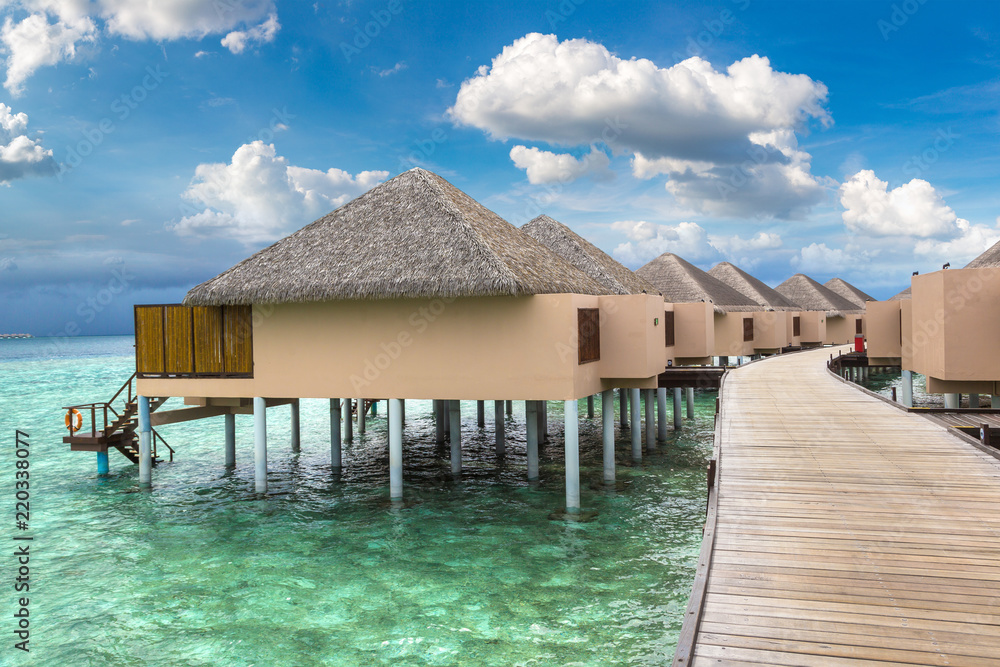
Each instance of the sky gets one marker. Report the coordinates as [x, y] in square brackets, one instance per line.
[146, 147]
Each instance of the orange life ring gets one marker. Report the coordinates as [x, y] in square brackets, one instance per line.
[74, 420]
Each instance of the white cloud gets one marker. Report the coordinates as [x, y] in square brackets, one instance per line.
[395, 69]
[259, 197]
[746, 253]
[264, 33]
[913, 209]
[53, 29]
[971, 242]
[20, 155]
[649, 240]
[689, 121]
[820, 259]
[34, 42]
[547, 167]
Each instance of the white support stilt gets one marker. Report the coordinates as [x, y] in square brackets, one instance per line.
[260, 444]
[345, 411]
[510, 408]
[446, 411]
[531, 433]
[661, 414]
[623, 407]
[907, 386]
[690, 402]
[480, 414]
[636, 425]
[455, 410]
[571, 446]
[335, 454]
[648, 399]
[974, 401]
[361, 416]
[952, 401]
[499, 426]
[230, 440]
[145, 443]
[543, 422]
[439, 420]
[395, 410]
[402, 411]
[296, 445]
[590, 407]
[608, 423]
[678, 423]
[995, 401]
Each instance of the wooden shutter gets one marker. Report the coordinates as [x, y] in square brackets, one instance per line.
[238, 337]
[208, 340]
[589, 333]
[747, 329]
[149, 340]
[796, 326]
[178, 340]
[668, 328]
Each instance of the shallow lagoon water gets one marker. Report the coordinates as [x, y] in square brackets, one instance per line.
[325, 570]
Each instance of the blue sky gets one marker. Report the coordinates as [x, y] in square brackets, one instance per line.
[145, 147]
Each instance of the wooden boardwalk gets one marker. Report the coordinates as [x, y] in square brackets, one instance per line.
[847, 531]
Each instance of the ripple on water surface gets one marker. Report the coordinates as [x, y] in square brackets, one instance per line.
[326, 571]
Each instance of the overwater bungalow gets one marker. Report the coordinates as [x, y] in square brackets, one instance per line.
[775, 325]
[845, 289]
[826, 318]
[411, 291]
[710, 317]
[943, 329]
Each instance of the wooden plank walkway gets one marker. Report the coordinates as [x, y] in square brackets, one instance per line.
[848, 532]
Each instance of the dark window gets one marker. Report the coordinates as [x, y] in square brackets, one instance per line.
[857, 326]
[589, 328]
[747, 329]
[668, 328]
[796, 326]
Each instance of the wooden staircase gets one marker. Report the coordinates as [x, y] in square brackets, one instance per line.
[110, 427]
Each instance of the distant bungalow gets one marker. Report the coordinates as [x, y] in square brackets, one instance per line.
[827, 317]
[777, 325]
[412, 291]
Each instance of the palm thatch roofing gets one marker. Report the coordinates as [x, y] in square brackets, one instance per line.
[808, 294]
[848, 291]
[902, 296]
[750, 287]
[585, 256]
[414, 236]
[682, 282]
[988, 260]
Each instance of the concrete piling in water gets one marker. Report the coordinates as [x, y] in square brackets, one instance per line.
[636, 425]
[439, 421]
[361, 416]
[571, 446]
[510, 408]
[345, 408]
[455, 411]
[907, 387]
[395, 410]
[294, 418]
[231, 439]
[678, 423]
[335, 449]
[623, 407]
[145, 443]
[103, 466]
[260, 444]
[500, 427]
[531, 433]
[608, 433]
[480, 414]
[648, 396]
[974, 401]
[690, 402]
[995, 401]
[952, 401]
[661, 414]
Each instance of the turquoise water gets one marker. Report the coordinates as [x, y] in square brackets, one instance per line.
[883, 383]
[324, 570]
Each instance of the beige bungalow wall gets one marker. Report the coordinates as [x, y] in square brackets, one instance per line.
[841, 330]
[884, 335]
[771, 330]
[694, 333]
[729, 335]
[955, 318]
[475, 348]
[812, 327]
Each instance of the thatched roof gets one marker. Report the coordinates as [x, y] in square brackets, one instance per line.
[750, 287]
[902, 296]
[585, 256]
[808, 294]
[681, 282]
[988, 260]
[414, 236]
[848, 291]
